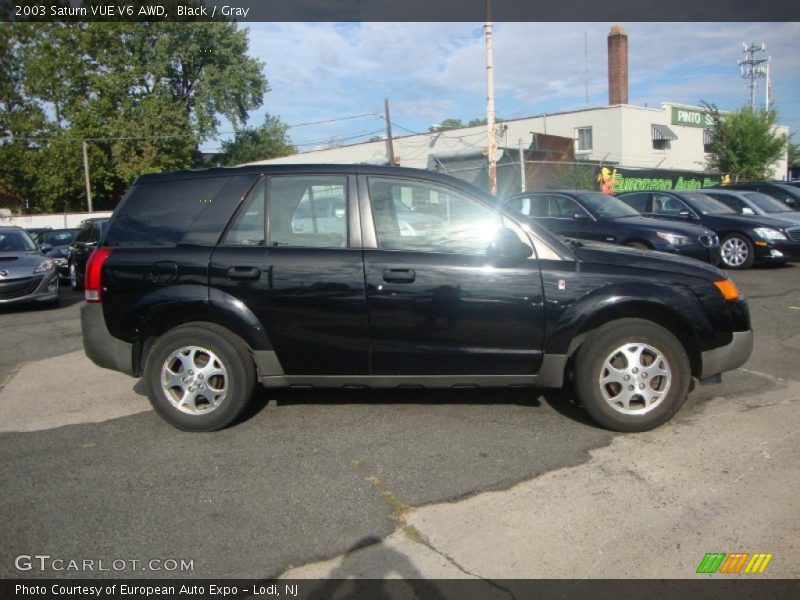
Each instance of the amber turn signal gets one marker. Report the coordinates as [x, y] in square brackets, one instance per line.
[728, 289]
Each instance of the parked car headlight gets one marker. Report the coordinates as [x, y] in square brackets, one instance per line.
[674, 238]
[45, 265]
[769, 234]
[60, 262]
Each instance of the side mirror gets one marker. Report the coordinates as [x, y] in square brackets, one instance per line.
[748, 211]
[46, 247]
[508, 247]
[685, 214]
[580, 216]
[791, 202]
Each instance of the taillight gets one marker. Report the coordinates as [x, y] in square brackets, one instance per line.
[94, 270]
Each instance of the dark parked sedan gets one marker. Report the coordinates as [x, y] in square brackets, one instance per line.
[596, 216]
[746, 202]
[785, 192]
[745, 240]
[55, 245]
[85, 242]
[25, 274]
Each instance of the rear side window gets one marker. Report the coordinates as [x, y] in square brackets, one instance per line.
[167, 213]
[307, 211]
[637, 202]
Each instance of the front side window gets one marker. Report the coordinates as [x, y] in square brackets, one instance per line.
[307, 211]
[638, 202]
[425, 217]
[561, 207]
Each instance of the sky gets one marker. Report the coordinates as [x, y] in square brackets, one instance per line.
[433, 71]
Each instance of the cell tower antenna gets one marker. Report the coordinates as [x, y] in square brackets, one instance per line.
[753, 68]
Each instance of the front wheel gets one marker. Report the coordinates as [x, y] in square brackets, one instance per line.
[199, 377]
[632, 375]
[736, 252]
[73, 278]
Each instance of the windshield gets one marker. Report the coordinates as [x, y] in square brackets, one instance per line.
[766, 203]
[15, 241]
[61, 237]
[607, 207]
[707, 205]
[790, 190]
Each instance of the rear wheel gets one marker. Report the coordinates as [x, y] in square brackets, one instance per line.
[632, 375]
[736, 252]
[199, 377]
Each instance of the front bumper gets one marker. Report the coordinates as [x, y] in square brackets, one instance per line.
[102, 348]
[39, 288]
[728, 357]
[777, 251]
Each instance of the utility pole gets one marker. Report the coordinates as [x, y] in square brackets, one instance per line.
[586, 65]
[753, 68]
[491, 149]
[86, 175]
[521, 167]
[389, 141]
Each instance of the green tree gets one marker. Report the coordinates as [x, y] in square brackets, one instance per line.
[269, 140]
[794, 156]
[144, 95]
[445, 125]
[745, 144]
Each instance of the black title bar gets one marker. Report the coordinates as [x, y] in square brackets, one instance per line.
[400, 10]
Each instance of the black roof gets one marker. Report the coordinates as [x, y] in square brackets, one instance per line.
[318, 169]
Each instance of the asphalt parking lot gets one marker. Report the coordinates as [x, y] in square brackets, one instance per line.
[91, 472]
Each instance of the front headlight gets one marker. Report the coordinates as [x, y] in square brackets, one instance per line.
[60, 262]
[769, 234]
[45, 265]
[674, 238]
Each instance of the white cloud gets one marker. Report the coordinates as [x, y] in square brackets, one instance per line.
[431, 71]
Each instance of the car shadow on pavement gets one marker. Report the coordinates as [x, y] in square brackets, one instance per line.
[562, 401]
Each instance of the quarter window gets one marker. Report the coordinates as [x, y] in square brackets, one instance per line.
[426, 217]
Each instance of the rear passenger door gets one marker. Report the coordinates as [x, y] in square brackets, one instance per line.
[289, 256]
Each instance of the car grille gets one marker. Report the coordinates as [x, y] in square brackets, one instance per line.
[17, 288]
[709, 241]
[794, 234]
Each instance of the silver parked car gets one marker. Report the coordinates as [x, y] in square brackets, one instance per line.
[26, 275]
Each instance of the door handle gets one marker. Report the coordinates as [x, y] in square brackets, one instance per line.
[399, 275]
[244, 273]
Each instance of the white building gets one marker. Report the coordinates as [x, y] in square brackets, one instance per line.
[673, 136]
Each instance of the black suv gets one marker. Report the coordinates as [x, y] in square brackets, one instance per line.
[745, 239]
[595, 216]
[83, 245]
[207, 282]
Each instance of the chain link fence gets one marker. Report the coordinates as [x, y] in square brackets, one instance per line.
[539, 175]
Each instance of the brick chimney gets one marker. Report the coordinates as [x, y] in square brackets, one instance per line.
[617, 66]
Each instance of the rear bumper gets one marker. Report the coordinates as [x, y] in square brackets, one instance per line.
[728, 357]
[102, 348]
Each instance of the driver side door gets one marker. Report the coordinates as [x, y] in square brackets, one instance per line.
[438, 304]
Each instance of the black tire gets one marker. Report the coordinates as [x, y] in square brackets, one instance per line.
[216, 346]
[740, 249]
[74, 278]
[639, 245]
[654, 344]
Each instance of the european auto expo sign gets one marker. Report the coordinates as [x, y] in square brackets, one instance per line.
[690, 117]
[634, 180]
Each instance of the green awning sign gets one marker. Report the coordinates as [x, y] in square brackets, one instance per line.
[691, 117]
